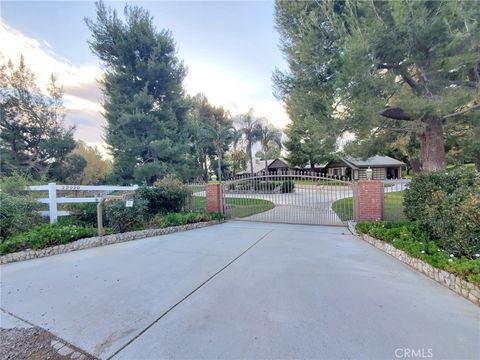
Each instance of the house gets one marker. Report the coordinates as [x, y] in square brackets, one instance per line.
[277, 165]
[383, 167]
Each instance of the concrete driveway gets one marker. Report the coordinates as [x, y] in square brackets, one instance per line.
[242, 290]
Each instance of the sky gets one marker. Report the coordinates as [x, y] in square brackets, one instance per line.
[230, 49]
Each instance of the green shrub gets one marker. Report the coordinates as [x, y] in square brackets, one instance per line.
[447, 206]
[418, 195]
[122, 219]
[17, 213]
[82, 215]
[182, 218]
[416, 242]
[454, 221]
[287, 186]
[265, 185]
[168, 194]
[44, 236]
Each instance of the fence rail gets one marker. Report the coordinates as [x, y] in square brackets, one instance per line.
[53, 213]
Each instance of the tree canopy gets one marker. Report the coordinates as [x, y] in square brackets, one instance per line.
[379, 67]
[33, 138]
[145, 106]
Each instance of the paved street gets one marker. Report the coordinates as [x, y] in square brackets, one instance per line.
[242, 290]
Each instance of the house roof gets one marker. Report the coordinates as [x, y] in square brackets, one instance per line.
[259, 165]
[374, 161]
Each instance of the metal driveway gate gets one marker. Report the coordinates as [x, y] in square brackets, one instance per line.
[292, 197]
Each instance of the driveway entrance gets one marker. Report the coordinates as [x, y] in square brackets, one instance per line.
[292, 198]
[241, 290]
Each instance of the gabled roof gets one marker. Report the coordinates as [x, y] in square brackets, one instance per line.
[259, 165]
[374, 161]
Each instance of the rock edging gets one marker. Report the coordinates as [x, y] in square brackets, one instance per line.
[87, 243]
[462, 287]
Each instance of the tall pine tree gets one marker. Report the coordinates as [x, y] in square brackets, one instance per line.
[145, 108]
[400, 66]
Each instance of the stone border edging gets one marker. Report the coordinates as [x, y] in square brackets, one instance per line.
[462, 287]
[87, 243]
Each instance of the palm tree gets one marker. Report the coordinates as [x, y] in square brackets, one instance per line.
[219, 137]
[266, 135]
[250, 130]
[237, 137]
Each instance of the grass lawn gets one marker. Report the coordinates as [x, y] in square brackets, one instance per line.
[238, 207]
[344, 208]
[392, 207]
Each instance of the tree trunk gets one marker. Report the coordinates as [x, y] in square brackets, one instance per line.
[205, 169]
[220, 165]
[432, 144]
[266, 162]
[416, 165]
[251, 159]
[477, 164]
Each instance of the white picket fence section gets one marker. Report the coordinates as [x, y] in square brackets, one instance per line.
[53, 200]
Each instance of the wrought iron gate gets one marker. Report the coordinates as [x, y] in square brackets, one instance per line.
[292, 197]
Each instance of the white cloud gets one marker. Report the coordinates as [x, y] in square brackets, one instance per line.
[227, 88]
[222, 85]
[82, 94]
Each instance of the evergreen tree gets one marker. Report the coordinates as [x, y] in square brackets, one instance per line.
[400, 66]
[145, 108]
[33, 138]
[202, 116]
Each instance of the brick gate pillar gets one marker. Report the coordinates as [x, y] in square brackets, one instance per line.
[214, 198]
[369, 200]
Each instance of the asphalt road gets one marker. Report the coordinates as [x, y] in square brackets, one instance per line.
[242, 290]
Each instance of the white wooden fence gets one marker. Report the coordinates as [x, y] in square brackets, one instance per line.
[53, 200]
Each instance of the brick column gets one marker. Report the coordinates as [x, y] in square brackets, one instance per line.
[214, 198]
[369, 200]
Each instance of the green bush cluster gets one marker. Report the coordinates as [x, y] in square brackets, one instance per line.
[45, 235]
[18, 210]
[17, 214]
[182, 218]
[415, 241]
[447, 205]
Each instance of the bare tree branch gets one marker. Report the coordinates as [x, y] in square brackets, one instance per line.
[458, 113]
[409, 80]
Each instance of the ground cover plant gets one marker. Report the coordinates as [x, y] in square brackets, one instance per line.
[417, 242]
[44, 236]
[159, 206]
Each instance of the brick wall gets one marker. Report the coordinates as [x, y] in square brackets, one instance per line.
[369, 204]
[214, 198]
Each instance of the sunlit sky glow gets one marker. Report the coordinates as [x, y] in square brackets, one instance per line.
[230, 49]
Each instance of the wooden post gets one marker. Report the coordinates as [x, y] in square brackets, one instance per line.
[52, 202]
[100, 217]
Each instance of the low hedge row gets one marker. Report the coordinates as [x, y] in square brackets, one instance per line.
[416, 242]
[44, 236]
[284, 186]
[50, 235]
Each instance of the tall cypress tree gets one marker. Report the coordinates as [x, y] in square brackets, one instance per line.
[144, 103]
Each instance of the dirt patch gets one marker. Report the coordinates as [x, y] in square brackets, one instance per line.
[36, 344]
